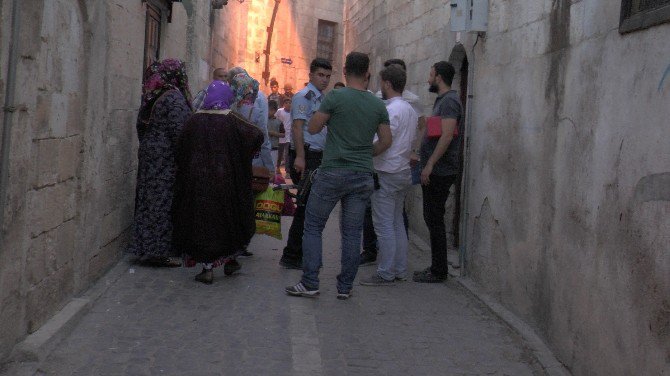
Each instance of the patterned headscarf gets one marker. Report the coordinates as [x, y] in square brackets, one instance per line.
[245, 89]
[170, 74]
[219, 96]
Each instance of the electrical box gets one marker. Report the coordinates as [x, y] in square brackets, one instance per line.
[469, 15]
[459, 15]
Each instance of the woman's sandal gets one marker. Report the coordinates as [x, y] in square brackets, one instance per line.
[206, 276]
[171, 262]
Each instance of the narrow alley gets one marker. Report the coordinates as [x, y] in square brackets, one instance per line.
[153, 321]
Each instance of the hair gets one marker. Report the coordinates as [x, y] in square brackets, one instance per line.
[445, 70]
[273, 105]
[214, 72]
[287, 99]
[320, 63]
[356, 64]
[400, 62]
[396, 76]
[339, 84]
[273, 82]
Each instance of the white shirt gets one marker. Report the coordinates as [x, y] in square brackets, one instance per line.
[285, 118]
[403, 119]
[410, 98]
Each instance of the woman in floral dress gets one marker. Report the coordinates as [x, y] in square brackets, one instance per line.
[162, 115]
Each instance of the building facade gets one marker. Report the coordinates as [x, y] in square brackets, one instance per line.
[70, 84]
[302, 30]
[565, 196]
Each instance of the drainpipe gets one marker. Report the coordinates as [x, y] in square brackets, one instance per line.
[465, 211]
[8, 112]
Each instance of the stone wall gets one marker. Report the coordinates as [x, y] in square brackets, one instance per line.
[567, 203]
[69, 180]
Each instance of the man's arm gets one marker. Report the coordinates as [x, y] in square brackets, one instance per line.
[448, 126]
[416, 143]
[384, 139]
[317, 122]
[299, 143]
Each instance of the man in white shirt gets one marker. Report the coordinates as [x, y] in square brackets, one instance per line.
[393, 169]
[370, 246]
[284, 115]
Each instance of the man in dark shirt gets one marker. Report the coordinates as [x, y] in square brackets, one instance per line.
[439, 157]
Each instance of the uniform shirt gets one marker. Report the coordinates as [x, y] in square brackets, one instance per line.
[403, 121]
[305, 103]
[285, 118]
[355, 116]
[447, 106]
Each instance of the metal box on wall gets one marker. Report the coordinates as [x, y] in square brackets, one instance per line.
[469, 15]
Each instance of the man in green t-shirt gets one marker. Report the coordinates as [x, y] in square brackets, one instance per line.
[354, 116]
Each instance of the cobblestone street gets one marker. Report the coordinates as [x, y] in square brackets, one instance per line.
[161, 322]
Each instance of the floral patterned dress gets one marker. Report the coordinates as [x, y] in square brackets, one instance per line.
[156, 175]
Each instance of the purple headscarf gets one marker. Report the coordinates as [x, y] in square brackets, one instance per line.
[219, 96]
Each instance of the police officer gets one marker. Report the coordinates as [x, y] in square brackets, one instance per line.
[307, 151]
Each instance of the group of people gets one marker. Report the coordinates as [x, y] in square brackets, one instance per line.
[194, 201]
[363, 147]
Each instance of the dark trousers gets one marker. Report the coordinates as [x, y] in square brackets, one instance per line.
[293, 250]
[435, 197]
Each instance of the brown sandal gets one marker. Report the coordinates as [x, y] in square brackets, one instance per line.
[206, 276]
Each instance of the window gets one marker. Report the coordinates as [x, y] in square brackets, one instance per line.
[641, 14]
[325, 43]
[152, 34]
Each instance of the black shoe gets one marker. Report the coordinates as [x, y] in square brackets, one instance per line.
[429, 277]
[422, 271]
[367, 258]
[246, 254]
[343, 295]
[206, 276]
[290, 264]
[231, 267]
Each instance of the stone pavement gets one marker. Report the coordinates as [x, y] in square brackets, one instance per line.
[160, 322]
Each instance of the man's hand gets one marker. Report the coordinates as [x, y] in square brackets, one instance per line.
[299, 165]
[413, 159]
[425, 173]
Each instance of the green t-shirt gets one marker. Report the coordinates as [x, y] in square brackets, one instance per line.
[355, 116]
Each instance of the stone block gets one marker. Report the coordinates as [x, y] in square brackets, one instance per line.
[42, 115]
[68, 157]
[58, 115]
[76, 117]
[45, 212]
[36, 260]
[64, 243]
[12, 324]
[105, 257]
[48, 297]
[577, 12]
[46, 171]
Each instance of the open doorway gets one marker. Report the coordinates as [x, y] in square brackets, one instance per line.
[458, 58]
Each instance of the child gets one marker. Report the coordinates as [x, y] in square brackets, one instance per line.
[275, 129]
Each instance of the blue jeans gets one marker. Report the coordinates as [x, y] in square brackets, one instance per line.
[387, 208]
[353, 190]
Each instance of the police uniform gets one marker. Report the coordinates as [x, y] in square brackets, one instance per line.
[305, 103]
